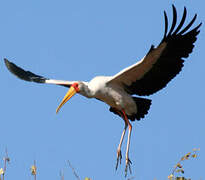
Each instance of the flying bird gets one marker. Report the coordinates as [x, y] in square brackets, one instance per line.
[149, 75]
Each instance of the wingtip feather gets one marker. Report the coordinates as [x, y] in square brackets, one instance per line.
[174, 21]
[165, 24]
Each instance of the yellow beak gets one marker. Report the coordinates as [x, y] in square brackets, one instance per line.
[71, 92]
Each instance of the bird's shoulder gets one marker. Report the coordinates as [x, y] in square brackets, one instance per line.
[98, 82]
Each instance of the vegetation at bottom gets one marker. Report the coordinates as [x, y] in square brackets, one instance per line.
[177, 172]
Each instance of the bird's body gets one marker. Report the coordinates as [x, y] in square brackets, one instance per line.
[149, 75]
[112, 94]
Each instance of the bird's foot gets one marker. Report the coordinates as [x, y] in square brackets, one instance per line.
[128, 165]
[119, 157]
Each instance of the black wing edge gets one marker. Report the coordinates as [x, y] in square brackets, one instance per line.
[179, 44]
[22, 74]
[170, 35]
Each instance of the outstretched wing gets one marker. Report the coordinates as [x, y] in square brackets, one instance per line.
[163, 63]
[29, 76]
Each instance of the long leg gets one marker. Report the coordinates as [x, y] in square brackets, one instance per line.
[119, 154]
[128, 162]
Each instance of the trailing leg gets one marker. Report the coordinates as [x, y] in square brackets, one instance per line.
[128, 162]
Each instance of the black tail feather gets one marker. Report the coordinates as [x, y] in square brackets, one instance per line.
[143, 106]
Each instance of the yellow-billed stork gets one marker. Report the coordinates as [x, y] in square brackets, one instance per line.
[144, 78]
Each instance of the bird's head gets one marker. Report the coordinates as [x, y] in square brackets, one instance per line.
[74, 88]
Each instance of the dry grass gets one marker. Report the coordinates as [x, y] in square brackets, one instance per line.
[176, 174]
[179, 169]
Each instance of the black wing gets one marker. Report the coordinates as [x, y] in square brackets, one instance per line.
[29, 76]
[163, 63]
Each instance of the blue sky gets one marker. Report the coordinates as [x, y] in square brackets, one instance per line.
[77, 40]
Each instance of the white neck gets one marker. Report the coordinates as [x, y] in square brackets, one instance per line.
[85, 90]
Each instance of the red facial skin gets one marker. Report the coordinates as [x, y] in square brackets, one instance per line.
[75, 86]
